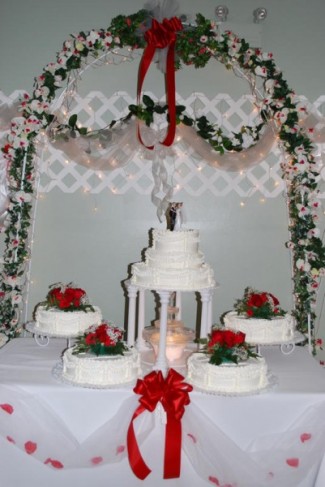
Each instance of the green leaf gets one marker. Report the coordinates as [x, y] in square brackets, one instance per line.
[187, 121]
[148, 102]
[73, 120]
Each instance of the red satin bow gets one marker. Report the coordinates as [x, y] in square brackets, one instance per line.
[173, 394]
[160, 36]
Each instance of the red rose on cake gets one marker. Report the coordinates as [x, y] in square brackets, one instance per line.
[105, 339]
[67, 297]
[227, 346]
[255, 304]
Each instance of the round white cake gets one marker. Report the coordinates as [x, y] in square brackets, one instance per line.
[262, 331]
[173, 262]
[229, 378]
[101, 371]
[65, 323]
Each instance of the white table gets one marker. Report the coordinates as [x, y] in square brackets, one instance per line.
[218, 432]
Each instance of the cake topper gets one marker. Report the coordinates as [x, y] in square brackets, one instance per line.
[175, 216]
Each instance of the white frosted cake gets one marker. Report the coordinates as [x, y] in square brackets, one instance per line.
[173, 262]
[228, 378]
[65, 323]
[101, 371]
[262, 331]
[66, 312]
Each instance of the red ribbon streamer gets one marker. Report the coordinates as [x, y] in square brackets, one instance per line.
[173, 394]
[160, 36]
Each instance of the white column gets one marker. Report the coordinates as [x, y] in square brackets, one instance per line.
[178, 304]
[210, 311]
[205, 300]
[132, 295]
[141, 320]
[161, 361]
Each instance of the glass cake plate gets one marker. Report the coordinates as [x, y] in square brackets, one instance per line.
[272, 382]
[57, 373]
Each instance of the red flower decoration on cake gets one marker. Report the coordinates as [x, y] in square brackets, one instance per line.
[104, 339]
[255, 304]
[67, 297]
[227, 346]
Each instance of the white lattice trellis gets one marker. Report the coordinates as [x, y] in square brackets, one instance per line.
[186, 170]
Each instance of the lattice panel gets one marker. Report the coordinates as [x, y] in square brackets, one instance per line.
[186, 171]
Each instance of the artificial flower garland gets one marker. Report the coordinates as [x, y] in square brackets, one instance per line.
[212, 133]
[195, 45]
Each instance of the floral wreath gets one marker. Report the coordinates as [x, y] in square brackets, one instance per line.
[194, 45]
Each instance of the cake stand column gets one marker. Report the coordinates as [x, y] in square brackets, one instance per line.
[206, 314]
[161, 361]
[178, 304]
[141, 320]
[132, 295]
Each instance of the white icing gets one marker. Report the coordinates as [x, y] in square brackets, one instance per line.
[262, 331]
[173, 262]
[229, 378]
[65, 323]
[103, 370]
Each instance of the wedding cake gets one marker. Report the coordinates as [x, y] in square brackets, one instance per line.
[101, 359]
[66, 312]
[173, 262]
[230, 378]
[260, 317]
[227, 366]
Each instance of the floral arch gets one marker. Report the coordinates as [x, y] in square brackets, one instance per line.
[194, 44]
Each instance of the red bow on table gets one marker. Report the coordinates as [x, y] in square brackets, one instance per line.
[161, 36]
[173, 394]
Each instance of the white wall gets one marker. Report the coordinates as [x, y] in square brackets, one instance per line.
[245, 246]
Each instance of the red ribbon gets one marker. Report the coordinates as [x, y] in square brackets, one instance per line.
[160, 36]
[173, 394]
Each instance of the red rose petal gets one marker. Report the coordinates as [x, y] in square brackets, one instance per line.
[96, 460]
[120, 449]
[7, 407]
[214, 480]
[30, 447]
[11, 439]
[305, 437]
[54, 463]
[293, 462]
[192, 437]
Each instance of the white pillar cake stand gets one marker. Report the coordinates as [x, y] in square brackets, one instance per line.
[137, 292]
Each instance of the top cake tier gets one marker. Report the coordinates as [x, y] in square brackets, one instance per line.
[173, 262]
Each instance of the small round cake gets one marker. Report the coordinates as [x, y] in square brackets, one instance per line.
[66, 312]
[258, 314]
[100, 371]
[262, 331]
[65, 323]
[228, 378]
[100, 358]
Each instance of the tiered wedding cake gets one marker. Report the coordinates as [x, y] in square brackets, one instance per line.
[173, 262]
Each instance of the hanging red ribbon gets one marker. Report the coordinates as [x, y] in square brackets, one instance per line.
[161, 36]
[173, 394]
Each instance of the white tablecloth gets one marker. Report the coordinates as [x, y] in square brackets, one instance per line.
[265, 425]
